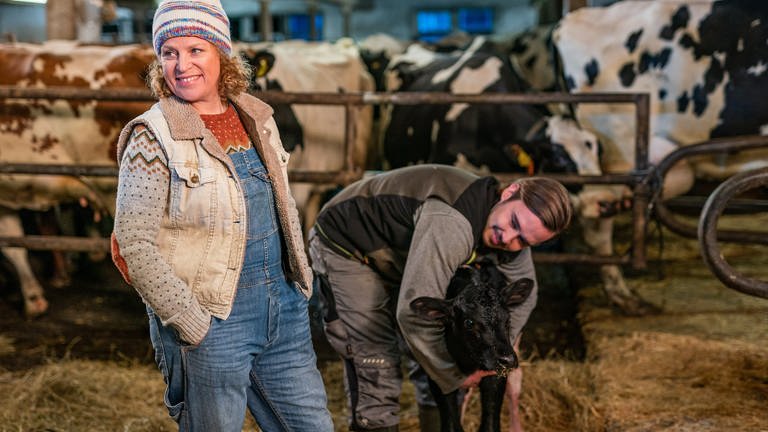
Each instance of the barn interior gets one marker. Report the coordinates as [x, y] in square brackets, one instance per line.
[698, 361]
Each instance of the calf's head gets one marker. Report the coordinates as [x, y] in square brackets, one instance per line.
[476, 317]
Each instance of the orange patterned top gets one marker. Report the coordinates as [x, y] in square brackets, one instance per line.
[228, 130]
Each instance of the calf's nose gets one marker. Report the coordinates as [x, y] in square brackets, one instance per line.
[508, 361]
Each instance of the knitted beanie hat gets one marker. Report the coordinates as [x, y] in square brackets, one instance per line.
[204, 19]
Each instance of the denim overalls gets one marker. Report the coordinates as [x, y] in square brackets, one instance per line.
[261, 355]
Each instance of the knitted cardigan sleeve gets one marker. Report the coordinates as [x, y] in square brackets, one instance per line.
[142, 203]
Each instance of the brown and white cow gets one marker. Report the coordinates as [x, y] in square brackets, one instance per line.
[704, 64]
[61, 132]
[85, 132]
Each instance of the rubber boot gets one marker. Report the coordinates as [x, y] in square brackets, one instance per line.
[429, 419]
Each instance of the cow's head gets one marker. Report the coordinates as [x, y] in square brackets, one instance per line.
[262, 61]
[476, 317]
[560, 145]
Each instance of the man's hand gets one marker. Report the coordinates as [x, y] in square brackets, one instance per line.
[474, 379]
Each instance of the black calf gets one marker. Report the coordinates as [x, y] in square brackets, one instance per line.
[476, 319]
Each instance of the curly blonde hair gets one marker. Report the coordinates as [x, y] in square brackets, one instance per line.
[235, 77]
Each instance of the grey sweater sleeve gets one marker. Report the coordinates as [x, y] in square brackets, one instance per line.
[142, 200]
[442, 241]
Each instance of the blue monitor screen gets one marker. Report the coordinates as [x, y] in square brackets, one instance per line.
[433, 22]
[298, 26]
[476, 20]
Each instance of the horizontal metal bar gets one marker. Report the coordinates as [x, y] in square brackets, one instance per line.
[337, 177]
[68, 243]
[300, 176]
[60, 169]
[564, 258]
[62, 243]
[355, 98]
[628, 179]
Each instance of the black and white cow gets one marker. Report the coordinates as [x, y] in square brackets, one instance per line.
[475, 315]
[704, 64]
[314, 134]
[495, 137]
[532, 56]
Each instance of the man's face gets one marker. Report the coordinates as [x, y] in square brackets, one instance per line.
[511, 226]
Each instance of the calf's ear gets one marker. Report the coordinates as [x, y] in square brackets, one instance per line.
[518, 291]
[430, 308]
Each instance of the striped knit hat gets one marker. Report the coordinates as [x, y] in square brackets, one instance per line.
[205, 19]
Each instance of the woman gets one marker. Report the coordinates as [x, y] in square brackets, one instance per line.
[207, 232]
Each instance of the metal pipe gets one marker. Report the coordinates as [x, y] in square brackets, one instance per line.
[356, 98]
[719, 145]
[62, 243]
[708, 235]
[351, 172]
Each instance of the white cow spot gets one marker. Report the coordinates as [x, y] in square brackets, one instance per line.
[755, 23]
[764, 129]
[445, 74]
[38, 64]
[757, 69]
[409, 131]
[435, 130]
[740, 45]
[474, 81]
[455, 111]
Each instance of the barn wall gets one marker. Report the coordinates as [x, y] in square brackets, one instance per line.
[394, 17]
[26, 22]
[398, 17]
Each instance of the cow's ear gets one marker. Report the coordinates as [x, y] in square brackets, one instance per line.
[430, 308]
[518, 291]
[262, 63]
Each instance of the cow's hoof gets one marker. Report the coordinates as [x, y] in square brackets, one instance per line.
[633, 305]
[35, 306]
[59, 282]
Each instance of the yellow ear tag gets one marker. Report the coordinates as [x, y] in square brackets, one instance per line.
[524, 159]
[263, 68]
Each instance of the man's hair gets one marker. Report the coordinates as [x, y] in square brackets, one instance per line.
[547, 199]
[235, 77]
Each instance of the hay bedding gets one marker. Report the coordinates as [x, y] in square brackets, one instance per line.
[657, 381]
[702, 365]
[76, 395]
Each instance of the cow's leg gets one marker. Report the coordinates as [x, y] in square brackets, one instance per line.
[448, 407]
[598, 233]
[491, 400]
[48, 225]
[35, 303]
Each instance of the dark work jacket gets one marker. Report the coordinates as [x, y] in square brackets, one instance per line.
[372, 220]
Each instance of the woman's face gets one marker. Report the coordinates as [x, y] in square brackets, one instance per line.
[191, 69]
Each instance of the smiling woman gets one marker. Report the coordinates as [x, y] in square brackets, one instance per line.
[208, 234]
[191, 70]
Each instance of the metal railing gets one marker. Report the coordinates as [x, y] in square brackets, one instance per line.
[636, 179]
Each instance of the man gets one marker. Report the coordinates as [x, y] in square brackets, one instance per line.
[386, 240]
